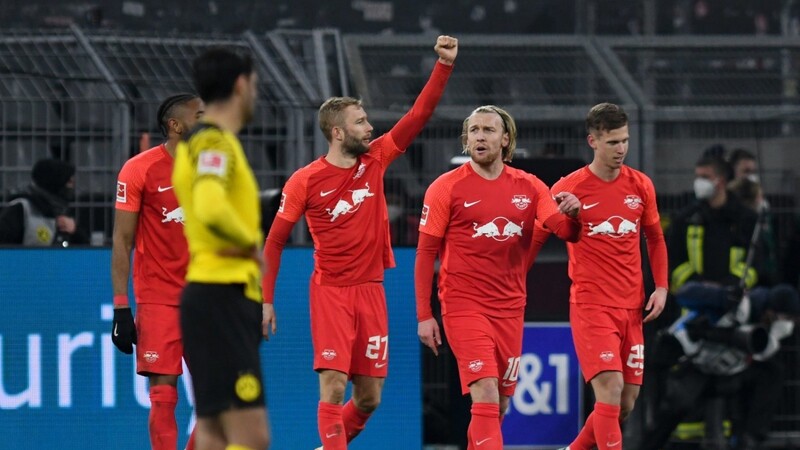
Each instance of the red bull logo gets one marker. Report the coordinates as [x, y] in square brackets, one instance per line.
[521, 201]
[360, 171]
[614, 226]
[328, 354]
[151, 356]
[176, 215]
[344, 207]
[606, 356]
[632, 201]
[493, 229]
[476, 365]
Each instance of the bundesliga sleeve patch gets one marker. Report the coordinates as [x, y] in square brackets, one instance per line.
[424, 218]
[212, 162]
[122, 192]
[283, 202]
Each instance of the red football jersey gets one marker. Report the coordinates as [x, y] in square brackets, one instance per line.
[346, 214]
[606, 264]
[487, 226]
[161, 254]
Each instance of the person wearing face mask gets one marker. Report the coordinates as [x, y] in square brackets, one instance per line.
[708, 240]
[743, 165]
[39, 215]
[722, 365]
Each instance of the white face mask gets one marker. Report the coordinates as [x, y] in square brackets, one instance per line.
[703, 188]
[753, 177]
[781, 329]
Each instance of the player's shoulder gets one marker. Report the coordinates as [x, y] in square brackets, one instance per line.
[142, 163]
[629, 171]
[638, 177]
[519, 174]
[380, 143]
[573, 179]
[305, 173]
[206, 135]
[451, 177]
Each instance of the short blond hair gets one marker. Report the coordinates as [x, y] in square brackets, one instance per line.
[509, 126]
[330, 113]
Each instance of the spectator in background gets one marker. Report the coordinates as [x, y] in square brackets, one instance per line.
[743, 164]
[746, 186]
[717, 364]
[708, 240]
[39, 216]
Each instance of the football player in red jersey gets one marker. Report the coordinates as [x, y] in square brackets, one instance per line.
[479, 219]
[341, 195]
[618, 203]
[149, 222]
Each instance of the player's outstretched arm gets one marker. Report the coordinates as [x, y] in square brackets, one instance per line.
[447, 49]
[409, 126]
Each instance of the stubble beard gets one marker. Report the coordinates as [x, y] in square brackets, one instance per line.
[354, 147]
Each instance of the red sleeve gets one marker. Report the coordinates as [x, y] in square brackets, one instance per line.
[409, 126]
[435, 216]
[657, 253]
[273, 248]
[547, 213]
[650, 215]
[130, 183]
[540, 235]
[293, 197]
[427, 249]
[563, 226]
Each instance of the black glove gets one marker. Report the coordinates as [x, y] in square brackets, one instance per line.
[123, 332]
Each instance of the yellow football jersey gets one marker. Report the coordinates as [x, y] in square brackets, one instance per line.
[218, 192]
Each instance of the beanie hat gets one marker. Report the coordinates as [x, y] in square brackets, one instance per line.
[52, 174]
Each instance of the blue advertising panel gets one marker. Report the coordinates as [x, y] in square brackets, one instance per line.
[64, 385]
[546, 409]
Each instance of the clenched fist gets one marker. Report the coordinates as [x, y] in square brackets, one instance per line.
[447, 49]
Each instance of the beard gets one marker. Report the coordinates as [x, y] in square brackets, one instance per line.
[485, 160]
[353, 146]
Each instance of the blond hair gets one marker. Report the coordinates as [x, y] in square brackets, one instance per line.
[509, 127]
[330, 113]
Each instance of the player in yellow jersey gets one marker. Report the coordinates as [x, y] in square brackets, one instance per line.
[221, 307]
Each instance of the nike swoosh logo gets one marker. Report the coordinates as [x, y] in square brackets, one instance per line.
[585, 206]
[467, 205]
[508, 383]
[638, 372]
[481, 441]
[330, 435]
[379, 365]
[324, 193]
[160, 189]
[115, 330]
[611, 444]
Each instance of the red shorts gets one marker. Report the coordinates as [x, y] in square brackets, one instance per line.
[485, 347]
[350, 329]
[159, 349]
[608, 339]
